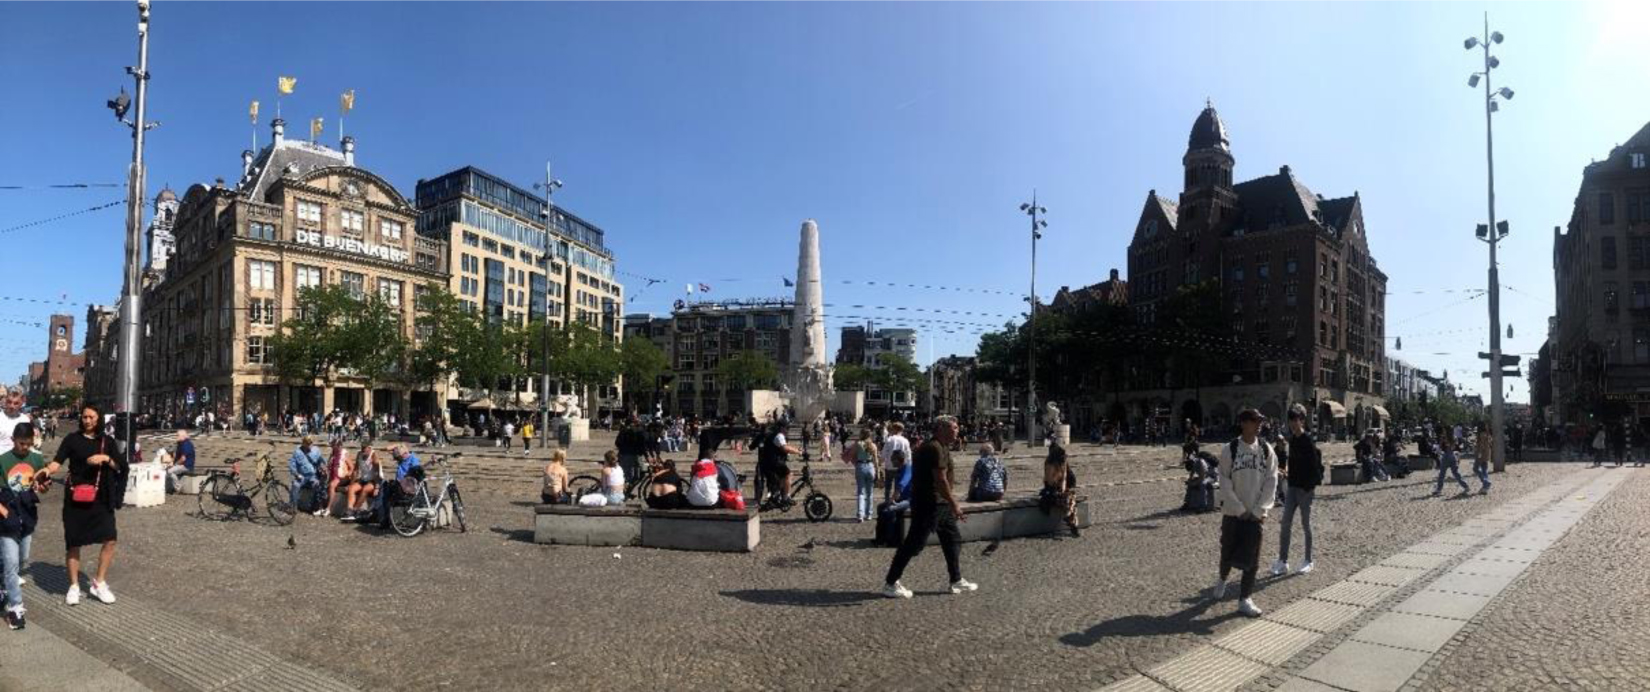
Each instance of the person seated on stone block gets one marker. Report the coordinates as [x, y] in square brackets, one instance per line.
[553, 491]
[182, 462]
[612, 478]
[1059, 492]
[989, 478]
[704, 491]
[1368, 453]
[665, 490]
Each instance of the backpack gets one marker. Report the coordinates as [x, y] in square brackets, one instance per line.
[1231, 451]
[727, 477]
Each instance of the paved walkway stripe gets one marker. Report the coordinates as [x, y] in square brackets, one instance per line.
[190, 655]
[1389, 650]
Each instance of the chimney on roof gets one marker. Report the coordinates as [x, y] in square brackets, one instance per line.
[1283, 170]
[218, 183]
[349, 150]
[246, 164]
[1114, 275]
[279, 126]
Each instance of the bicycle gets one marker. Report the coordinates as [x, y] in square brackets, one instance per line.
[816, 505]
[412, 514]
[587, 484]
[223, 497]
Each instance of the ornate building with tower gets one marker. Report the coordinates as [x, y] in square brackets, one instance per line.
[63, 369]
[1302, 302]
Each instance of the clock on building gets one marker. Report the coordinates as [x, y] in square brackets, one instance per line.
[62, 344]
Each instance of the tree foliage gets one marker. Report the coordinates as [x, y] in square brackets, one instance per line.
[748, 370]
[897, 373]
[642, 363]
[850, 377]
[335, 332]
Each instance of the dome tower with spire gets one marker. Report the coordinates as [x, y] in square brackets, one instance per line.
[1208, 195]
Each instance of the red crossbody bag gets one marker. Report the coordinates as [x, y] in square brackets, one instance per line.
[84, 493]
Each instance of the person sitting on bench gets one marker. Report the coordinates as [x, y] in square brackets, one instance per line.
[989, 478]
[1367, 451]
[665, 492]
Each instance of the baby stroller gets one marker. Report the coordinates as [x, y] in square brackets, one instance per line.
[1200, 482]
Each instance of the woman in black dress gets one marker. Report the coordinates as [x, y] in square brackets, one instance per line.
[92, 460]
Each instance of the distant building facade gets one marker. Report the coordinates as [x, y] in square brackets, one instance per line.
[958, 392]
[1599, 360]
[867, 346]
[703, 335]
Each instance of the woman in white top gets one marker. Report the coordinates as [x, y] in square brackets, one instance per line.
[612, 478]
[365, 483]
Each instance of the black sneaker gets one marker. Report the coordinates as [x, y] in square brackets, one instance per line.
[14, 619]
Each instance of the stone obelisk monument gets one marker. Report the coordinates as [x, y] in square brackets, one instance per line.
[808, 375]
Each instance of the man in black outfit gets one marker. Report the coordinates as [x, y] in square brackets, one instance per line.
[632, 445]
[930, 488]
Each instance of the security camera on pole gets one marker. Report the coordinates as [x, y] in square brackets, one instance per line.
[126, 373]
[1491, 234]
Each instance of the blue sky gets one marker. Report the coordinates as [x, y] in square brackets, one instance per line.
[701, 135]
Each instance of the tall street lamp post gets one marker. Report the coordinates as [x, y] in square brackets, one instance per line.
[126, 374]
[1037, 225]
[1491, 234]
[550, 185]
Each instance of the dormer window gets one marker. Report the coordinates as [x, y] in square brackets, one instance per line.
[1636, 159]
[1150, 229]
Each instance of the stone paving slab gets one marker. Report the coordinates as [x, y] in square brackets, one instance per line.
[1305, 685]
[37, 660]
[1507, 554]
[1409, 631]
[1315, 615]
[1135, 683]
[1445, 549]
[1443, 604]
[1362, 667]
[1354, 593]
[1415, 560]
[1491, 568]
[1208, 669]
[1479, 584]
[1386, 575]
[1271, 643]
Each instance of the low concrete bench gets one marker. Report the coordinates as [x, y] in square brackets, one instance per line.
[715, 530]
[1345, 474]
[191, 483]
[1012, 517]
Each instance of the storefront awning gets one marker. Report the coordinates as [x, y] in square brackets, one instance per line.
[482, 405]
[1381, 411]
[1336, 410]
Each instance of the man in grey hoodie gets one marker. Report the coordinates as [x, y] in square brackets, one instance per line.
[1248, 489]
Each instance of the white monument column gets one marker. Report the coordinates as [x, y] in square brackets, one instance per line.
[809, 376]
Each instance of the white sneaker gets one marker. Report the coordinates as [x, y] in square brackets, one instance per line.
[101, 592]
[896, 590]
[962, 585]
[1247, 607]
[1279, 568]
[73, 596]
[1219, 591]
[1305, 569]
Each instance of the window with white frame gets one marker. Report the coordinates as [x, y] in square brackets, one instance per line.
[256, 353]
[390, 292]
[355, 283]
[309, 212]
[260, 275]
[352, 221]
[304, 277]
[261, 311]
[390, 230]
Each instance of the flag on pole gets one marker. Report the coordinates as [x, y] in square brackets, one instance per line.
[286, 84]
[253, 111]
[315, 129]
[690, 289]
[704, 288]
[788, 283]
[346, 101]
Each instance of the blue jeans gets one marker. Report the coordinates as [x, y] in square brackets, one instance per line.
[1481, 468]
[297, 487]
[15, 552]
[865, 486]
[1296, 499]
[1448, 464]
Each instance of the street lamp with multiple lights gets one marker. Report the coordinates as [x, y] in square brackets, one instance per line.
[126, 371]
[1491, 234]
[1037, 225]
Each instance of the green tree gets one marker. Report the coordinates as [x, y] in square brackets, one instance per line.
[748, 370]
[897, 373]
[446, 330]
[582, 357]
[850, 377]
[335, 332]
[61, 398]
[642, 364]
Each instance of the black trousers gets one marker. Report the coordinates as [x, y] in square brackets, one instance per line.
[926, 520]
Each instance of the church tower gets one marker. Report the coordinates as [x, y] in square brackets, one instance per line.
[1208, 161]
[162, 243]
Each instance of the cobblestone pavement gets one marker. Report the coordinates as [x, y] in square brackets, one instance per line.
[1577, 619]
[491, 609]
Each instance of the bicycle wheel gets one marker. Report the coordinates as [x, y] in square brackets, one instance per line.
[278, 501]
[210, 501]
[817, 506]
[458, 510]
[407, 522]
[579, 486]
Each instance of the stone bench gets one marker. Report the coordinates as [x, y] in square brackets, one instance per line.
[191, 483]
[716, 530]
[1011, 517]
[1345, 474]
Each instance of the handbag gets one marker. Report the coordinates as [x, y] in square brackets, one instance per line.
[84, 493]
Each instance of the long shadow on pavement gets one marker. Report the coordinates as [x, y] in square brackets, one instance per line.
[805, 598]
[1184, 622]
[522, 535]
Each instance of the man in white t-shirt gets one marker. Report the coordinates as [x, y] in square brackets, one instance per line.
[895, 442]
[11, 413]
